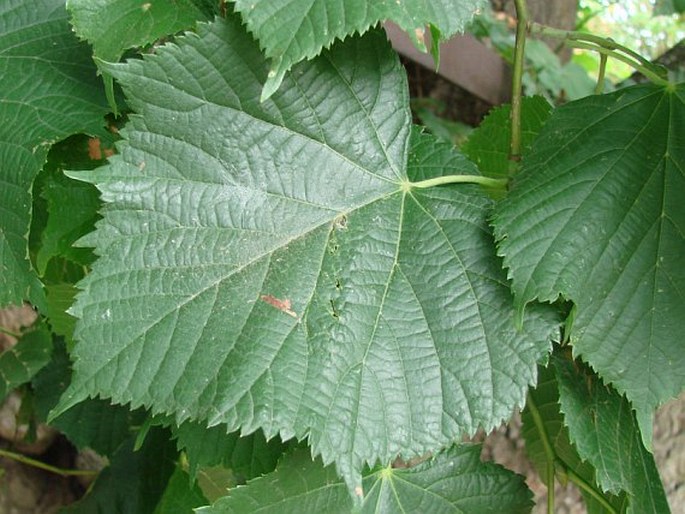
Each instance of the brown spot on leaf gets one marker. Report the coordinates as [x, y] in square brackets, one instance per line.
[94, 150]
[281, 305]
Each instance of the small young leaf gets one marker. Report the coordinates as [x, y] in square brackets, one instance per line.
[453, 481]
[488, 145]
[290, 31]
[602, 426]
[72, 212]
[596, 216]
[22, 361]
[38, 106]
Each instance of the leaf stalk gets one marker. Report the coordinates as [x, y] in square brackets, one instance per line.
[46, 467]
[604, 46]
[498, 183]
[9, 332]
[549, 451]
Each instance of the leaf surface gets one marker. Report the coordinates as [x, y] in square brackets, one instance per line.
[488, 145]
[596, 216]
[48, 90]
[113, 26]
[135, 480]
[181, 495]
[22, 361]
[72, 212]
[290, 31]
[549, 448]
[248, 456]
[453, 481]
[268, 265]
[603, 427]
[93, 423]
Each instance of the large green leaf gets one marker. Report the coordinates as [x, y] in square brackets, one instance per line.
[48, 90]
[454, 481]
[269, 265]
[290, 31]
[602, 426]
[597, 217]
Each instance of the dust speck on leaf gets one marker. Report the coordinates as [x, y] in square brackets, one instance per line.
[282, 305]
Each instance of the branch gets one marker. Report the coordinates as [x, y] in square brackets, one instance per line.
[517, 81]
[604, 46]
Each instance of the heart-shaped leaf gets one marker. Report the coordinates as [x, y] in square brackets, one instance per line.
[270, 265]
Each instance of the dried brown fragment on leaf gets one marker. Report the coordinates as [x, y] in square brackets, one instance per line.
[281, 305]
[94, 150]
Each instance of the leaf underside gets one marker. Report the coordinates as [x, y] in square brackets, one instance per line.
[596, 216]
[264, 265]
[48, 90]
[290, 31]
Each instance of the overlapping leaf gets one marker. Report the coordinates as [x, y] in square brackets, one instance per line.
[22, 361]
[597, 217]
[488, 146]
[549, 448]
[454, 481]
[268, 265]
[134, 482]
[48, 90]
[290, 31]
[602, 426]
[114, 26]
[248, 456]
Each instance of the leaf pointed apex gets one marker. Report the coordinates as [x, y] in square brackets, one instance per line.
[273, 81]
[71, 397]
[436, 36]
[644, 422]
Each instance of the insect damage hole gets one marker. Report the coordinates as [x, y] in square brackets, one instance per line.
[340, 222]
